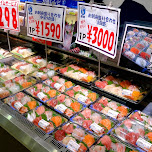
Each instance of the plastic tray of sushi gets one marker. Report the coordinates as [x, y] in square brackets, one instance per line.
[42, 92]
[79, 73]
[46, 72]
[4, 53]
[59, 83]
[25, 81]
[65, 105]
[94, 122]
[74, 137]
[37, 61]
[142, 118]
[108, 143]
[24, 67]
[82, 94]
[22, 102]
[9, 87]
[133, 133]
[45, 118]
[131, 91]
[111, 108]
[23, 52]
[7, 73]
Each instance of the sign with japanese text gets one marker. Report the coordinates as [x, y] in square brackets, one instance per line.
[98, 28]
[9, 15]
[46, 21]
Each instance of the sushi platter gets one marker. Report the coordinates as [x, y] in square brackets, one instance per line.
[94, 122]
[126, 90]
[111, 108]
[59, 83]
[71, 108]
[82, 94]
[74, 137]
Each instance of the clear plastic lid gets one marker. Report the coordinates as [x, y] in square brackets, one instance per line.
[94, 122]
[110, 143]
[111, 108]
[134, 133]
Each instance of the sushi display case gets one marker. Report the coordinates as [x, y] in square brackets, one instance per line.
[65, 107]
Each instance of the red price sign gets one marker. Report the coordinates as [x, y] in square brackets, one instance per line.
[98, 28]
[9, 15]
[46, 22]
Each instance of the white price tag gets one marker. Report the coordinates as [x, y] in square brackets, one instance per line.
[57, 86]
[39, 60]
[39, 74]
[82, 98]
[98, 28]
[61, 107]
[43, 124]
[51, 73]
[47, 25]
[3, 74]
[18, 105]
[112, 113]
[126, 92]
[142, 143]
[73, 146]
[96, 128]
[41, 95]
[9, 15]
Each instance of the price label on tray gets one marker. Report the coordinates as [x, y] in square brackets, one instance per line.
[73, 146]
[9, 15]
[61, 107]
[96, 128]
[18, 105]
[112, 113]
[142, 143]
[98, 28]
[41, 95]
[82, 98]
[43, 124]
[46, 21]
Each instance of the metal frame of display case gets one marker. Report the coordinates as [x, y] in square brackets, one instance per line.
[27, 133]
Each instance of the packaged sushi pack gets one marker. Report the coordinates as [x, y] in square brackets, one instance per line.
[22, 51]
[46, 72]
[6, 73]
[25, 81]
[121, 88]
[22, 102]
[4, 92]
[37, 60]
[4, 54]
[74, 137]
[78, 73]
[24, 67]
[109, 143]
[82, 94]
[142, 118]
[45, 118]
[111, 108]
[92, 121]
[42, 92]
[65, 105]
[59, 83]
[132, 132]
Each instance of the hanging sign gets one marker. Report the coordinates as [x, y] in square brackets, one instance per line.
[46, 21]
[98, 28]
[9, 15]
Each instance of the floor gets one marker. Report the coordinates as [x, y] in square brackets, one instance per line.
[9, 144]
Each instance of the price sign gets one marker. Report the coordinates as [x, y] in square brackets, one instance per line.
[98, 28]
[46, 21]
[9, 15]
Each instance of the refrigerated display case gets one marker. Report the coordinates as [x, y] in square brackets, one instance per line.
[59, 108]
